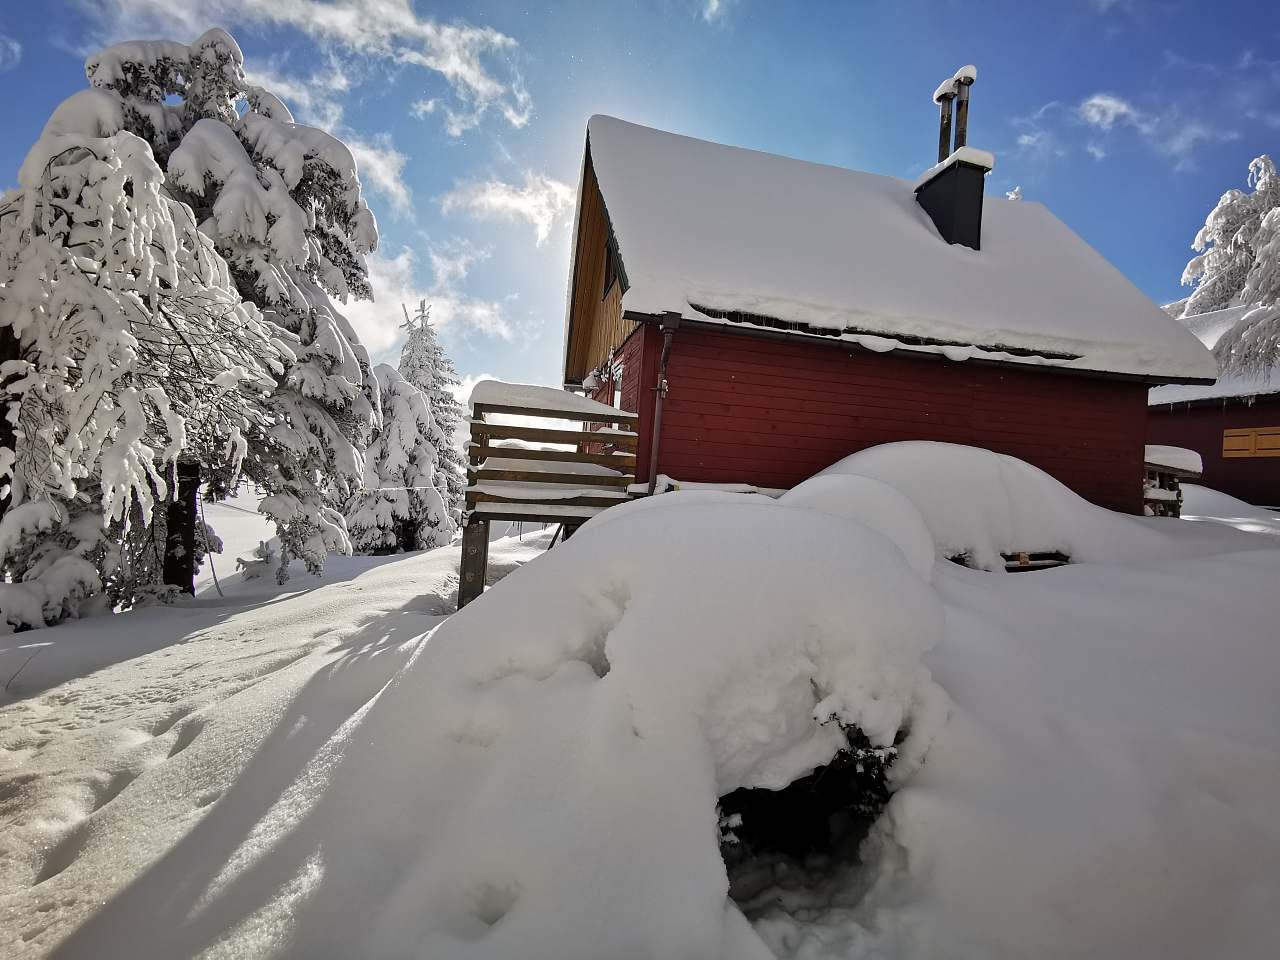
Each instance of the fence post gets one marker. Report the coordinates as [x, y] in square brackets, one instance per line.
[475, 559]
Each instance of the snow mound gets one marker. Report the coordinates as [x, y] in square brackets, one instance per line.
[1177, 458]
[978, 504]
[875, 505]
[569, 736]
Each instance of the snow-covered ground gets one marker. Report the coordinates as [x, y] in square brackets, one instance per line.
[1088, 758]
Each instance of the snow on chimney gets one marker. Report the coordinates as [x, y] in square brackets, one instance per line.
[951, 190]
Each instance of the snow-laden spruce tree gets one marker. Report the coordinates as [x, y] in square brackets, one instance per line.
[1238, 264]
[400, 506]
[424, 363]
[283, 205]
[128, 352]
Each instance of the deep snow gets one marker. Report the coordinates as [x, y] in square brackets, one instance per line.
[335, 770]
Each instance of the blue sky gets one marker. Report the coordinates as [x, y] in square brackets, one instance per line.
[1127, 118]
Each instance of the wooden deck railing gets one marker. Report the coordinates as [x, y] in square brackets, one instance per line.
[509, 478]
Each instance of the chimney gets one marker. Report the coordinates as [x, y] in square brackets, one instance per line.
[951, 191]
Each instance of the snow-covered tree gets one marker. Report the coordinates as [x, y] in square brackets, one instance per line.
[1238, 264]
[424, 364]
[283, 205]
[127, 350]
[400, 507]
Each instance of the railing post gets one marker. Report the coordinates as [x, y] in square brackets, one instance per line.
[475, 560]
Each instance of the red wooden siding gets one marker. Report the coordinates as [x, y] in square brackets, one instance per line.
[1200, 427]
[772, 413]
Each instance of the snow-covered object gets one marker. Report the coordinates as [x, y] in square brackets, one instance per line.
[1015, 193]
[571, 732]
[700, 225]
[134, 348]
[873, 504]
[282, 203]
[400, 466]
[966, 154]
[426, 365]
[1210, 328]
[544, 398]
[1178, 458]
[978, 505]
[1212, 506]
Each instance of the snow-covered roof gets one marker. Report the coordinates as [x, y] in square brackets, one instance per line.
[734, 231]
[1209, 328]
[1175, 458]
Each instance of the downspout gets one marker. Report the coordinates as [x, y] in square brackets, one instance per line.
[670, 322]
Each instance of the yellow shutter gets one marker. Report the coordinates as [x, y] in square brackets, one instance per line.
[1251, 442]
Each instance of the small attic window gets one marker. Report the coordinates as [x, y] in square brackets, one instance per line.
[610, 271]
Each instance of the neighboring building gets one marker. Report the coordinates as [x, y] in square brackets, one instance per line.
[1234, 424]
[797, 313]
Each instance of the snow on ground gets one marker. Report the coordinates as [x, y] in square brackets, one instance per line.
[1203, 503]
[331, 770]
[118, 735]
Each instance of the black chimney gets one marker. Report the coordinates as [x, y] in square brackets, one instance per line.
[951, 191]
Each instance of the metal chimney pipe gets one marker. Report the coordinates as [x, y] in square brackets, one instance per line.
[963, 84]
[944, 125]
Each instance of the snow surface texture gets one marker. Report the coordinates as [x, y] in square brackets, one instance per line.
[854, 252]
[1202, 503]
[537, 776]
[1210, 328]
[1179, 458]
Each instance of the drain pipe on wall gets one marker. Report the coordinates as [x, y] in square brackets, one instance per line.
[669, 323]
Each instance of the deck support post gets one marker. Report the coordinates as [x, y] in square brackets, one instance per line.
[475, 560]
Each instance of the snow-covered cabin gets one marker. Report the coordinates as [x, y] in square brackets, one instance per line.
[1234, 424]
[799, 312]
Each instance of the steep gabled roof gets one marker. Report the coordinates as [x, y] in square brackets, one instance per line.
[723, 234]
[1209, 328]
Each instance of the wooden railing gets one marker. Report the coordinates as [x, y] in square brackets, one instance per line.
[509, 478]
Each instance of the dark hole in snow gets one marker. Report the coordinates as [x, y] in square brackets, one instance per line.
[806, 835]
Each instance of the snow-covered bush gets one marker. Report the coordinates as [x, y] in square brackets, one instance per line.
[424, 364]
[282, 204]
[400, 507]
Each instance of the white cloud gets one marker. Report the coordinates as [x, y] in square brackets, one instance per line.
[713, 10]
[476, 62]
[1105, 110]
[10, 53]
[382, 167]
[424, 107]
[541, 201]
[1095, 150]
[395, 282]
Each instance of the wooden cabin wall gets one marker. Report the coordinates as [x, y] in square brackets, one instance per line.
[1200, 427]
[596, 327]
[773, 413]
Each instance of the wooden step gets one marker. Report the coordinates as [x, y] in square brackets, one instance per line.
[626, 441]
[616, 416]
[538, 476]
[479, 452]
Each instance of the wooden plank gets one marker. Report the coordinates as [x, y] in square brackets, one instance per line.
[538, 476]
[476, 497]
[626, 441]
[480, 452]
[617, 416]
[502, 511]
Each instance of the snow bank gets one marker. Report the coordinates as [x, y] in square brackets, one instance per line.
[981, 504]
[1203, 503]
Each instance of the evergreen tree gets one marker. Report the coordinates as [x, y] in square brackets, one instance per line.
[424, 364]
[130, 350]
[282, 203]
[1238, 264]
[400, 507]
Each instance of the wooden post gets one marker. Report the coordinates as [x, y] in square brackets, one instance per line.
[475, 560]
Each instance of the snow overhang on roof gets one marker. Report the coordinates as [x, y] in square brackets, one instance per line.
[723, 234]
[1209, 328]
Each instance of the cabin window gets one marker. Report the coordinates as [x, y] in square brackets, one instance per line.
[610, 271]
[1251, 442]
